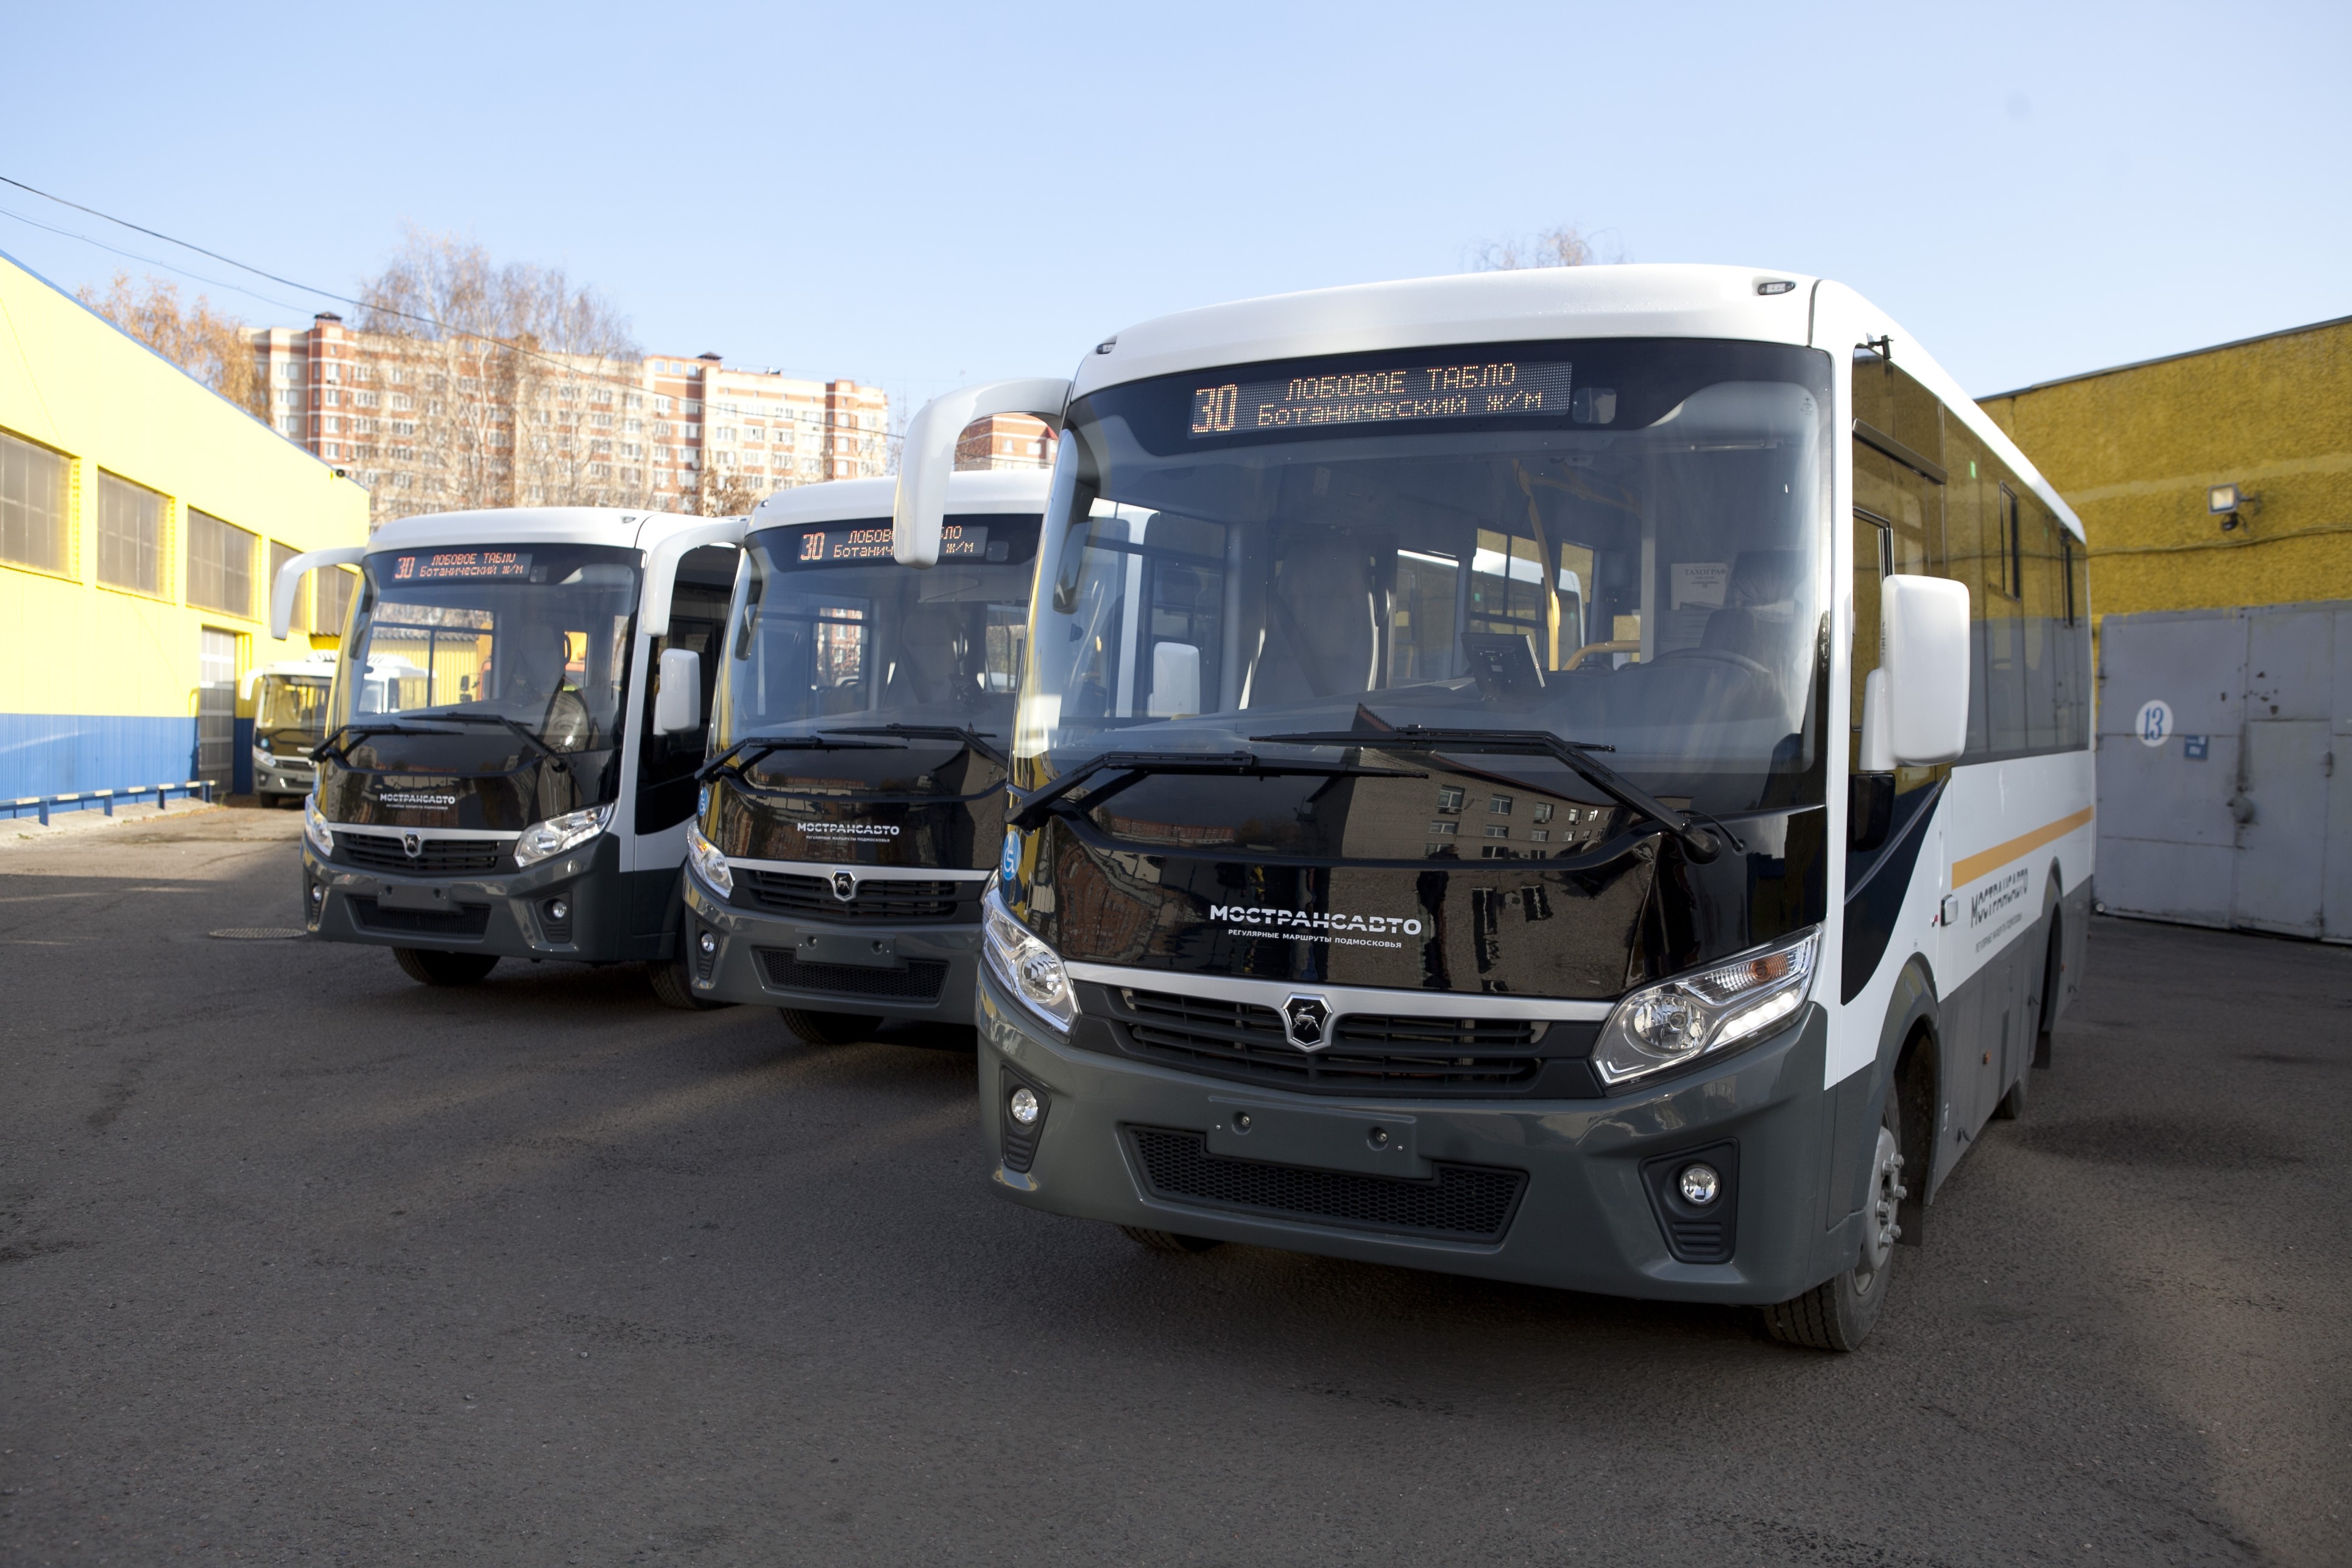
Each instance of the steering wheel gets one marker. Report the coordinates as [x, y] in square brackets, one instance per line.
[1716, 655]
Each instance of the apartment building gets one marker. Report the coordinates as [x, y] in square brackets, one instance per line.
[433, 425]
[1005, 441]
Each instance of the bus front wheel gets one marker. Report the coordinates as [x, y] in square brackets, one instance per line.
[674, 987]
[431, 968]
[1838, 1314]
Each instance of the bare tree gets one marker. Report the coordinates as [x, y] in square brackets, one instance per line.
[1563, 245]
[521, 380]
[724, 492]
[211, 347]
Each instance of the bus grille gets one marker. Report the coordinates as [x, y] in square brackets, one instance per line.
[920, 981]
[465, 919]
[1473, 1203]
[1371, 1053]
[435, 857]
[892, 900]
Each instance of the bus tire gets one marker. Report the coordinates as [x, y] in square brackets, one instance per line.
[1167, 1240]
[828, 1028]
[2053, 974]
[1838, 1314]
[673, 987]
[429, 967]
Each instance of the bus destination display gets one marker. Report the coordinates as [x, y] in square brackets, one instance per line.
[869, 543]
[460, 565]
[1472, 390]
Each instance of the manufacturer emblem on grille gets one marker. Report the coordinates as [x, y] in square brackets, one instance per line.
[1307, 1022]
[845, 886]
[411, 845]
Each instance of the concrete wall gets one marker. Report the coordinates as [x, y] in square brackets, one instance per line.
[98, 684]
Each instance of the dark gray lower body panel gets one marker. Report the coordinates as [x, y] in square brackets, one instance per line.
[1582, 1221]
[611, 916]
[923, 972]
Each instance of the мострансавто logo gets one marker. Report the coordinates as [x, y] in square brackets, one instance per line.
[848, 829]
[1309, 925]
[415, 798]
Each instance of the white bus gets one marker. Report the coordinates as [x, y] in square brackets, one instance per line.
[290, 711]
[495, 780]
[1579, 777]
[853, 803]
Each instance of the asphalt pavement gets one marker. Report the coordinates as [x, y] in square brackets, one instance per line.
[302, 1262]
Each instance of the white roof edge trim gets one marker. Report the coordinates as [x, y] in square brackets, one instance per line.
[969, 491]
[1861, 319]
[1643, 299]
[626, 527]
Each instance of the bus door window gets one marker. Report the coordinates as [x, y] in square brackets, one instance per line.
[697, 615]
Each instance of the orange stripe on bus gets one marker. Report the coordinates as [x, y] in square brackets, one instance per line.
[1975, 866]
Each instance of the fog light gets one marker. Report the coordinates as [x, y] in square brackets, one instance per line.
[1025, 1109]
[708, 944]
[1699, 1184]
[318, 894]
[559, 910]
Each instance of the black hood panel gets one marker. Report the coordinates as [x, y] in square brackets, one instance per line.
[956, 825]
[505, 802]
[1631, 910]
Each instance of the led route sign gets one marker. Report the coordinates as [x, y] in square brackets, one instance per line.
[957, 541]
[460, 565]
[1473, 391]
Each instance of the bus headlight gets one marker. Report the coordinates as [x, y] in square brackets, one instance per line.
[1711, 1010]
[315, 828]
[1026, 966]
[708, 862]
[558, 834]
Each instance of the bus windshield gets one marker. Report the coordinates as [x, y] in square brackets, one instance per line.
[831, 630]
[1620, 541]
[535, 634]
[293, 704]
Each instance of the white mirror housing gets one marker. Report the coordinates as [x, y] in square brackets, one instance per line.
[677, 700]
[929, 456]
[1924, 622]
[1175, 680]
[290, 582]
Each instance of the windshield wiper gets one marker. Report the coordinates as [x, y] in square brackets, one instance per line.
[743, 753]
[977, 740]
[1696, 841]
[1033, 808]
[549, 753]
[338, 744]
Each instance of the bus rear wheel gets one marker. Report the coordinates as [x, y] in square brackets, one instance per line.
[828, 1028]
[1838, 1314]
[431, 968]
[1167, 1240]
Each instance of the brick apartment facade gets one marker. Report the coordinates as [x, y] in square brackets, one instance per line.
[432, 426]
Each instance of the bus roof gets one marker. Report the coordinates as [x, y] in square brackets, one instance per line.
[841, 500]
[1630, 301]
[547, 524]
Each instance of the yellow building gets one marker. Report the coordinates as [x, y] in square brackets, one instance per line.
[141, 517]
[2138, 451]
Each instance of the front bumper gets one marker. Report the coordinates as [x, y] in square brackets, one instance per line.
[508, 914]
[920, 971]
[283, 776]
[1586, 1218]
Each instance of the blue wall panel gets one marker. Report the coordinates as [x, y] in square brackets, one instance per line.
[64, 753]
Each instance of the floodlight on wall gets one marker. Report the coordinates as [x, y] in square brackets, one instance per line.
[2226, 501]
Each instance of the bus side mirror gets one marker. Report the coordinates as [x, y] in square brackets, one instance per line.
[1175, 680]
[929, 456]
[1924, 713]
[290, 582]
[678, 702]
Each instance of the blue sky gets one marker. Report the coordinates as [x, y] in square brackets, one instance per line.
[913, 195]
